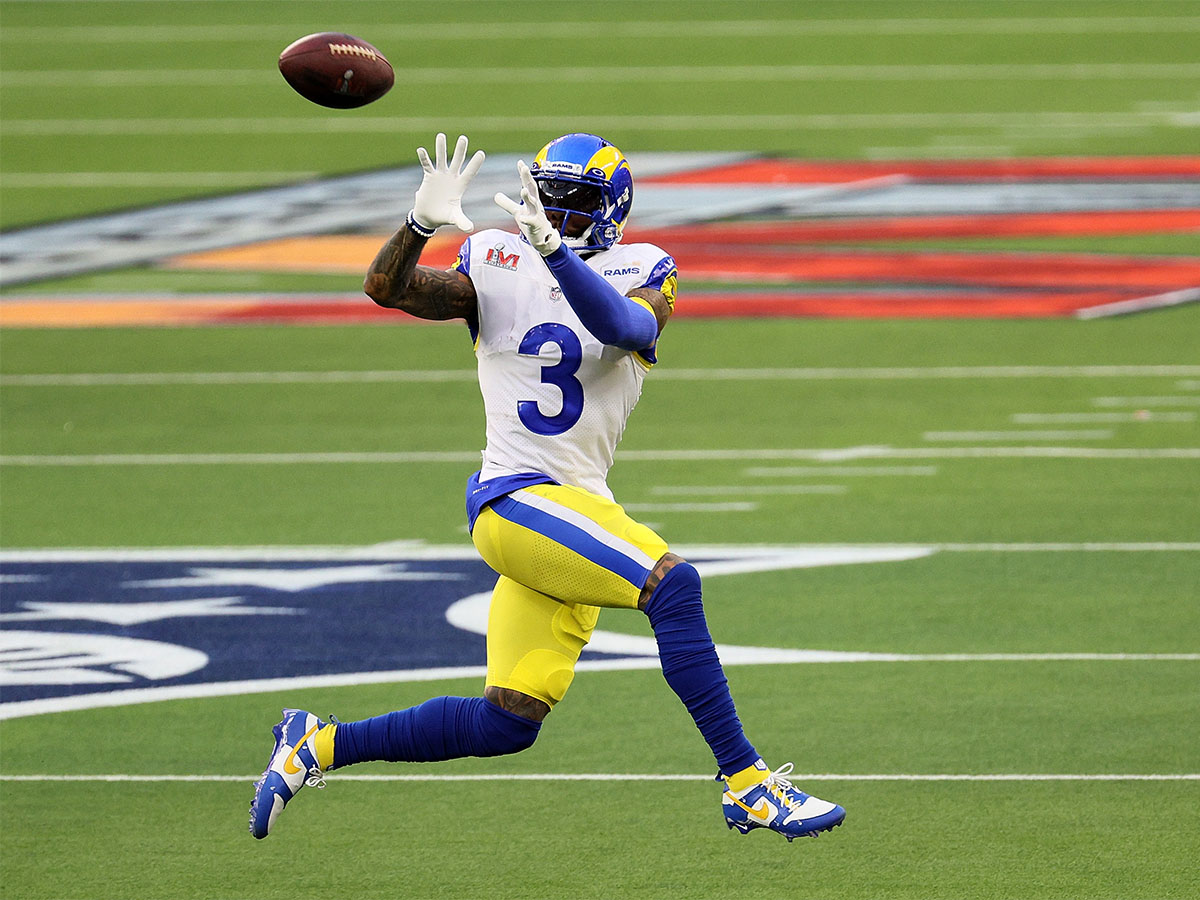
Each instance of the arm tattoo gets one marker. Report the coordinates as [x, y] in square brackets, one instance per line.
[662, 567]
[658, 302]
[518, 703]
[396, 281]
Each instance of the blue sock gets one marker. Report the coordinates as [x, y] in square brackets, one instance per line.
[692, 669]
[442, 728]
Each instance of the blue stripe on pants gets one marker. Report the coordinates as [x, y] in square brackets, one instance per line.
[573, 538]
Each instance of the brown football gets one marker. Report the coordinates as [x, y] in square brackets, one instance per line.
[336, 70]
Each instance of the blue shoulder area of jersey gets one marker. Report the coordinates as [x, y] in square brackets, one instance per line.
[481, 493]
[463, 263]
[666, 267]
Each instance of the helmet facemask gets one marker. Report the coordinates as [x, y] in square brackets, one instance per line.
[581, 210]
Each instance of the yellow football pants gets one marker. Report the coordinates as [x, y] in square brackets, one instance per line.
[562, 553]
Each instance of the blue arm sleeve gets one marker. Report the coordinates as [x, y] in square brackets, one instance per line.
[611, 317]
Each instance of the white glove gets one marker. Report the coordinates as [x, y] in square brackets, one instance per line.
[439, 198]
[530, 216]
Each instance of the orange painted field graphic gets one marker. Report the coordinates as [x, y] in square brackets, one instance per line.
[321, 254]
[82, 311]
[828, 265]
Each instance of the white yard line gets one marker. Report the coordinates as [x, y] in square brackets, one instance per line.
[242, 459]
[134, 696]
[746, 506]
[718, 490]
[1146, 401]
[836, 471]
[163, 379]
[605, 776]
[864, 373]
[1079, 434]
[1139, 304]
[472, 456]
[875, 452]
[1085, 547]
[1099, 418]
[417, 550]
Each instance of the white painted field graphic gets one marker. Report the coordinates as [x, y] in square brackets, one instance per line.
[37, 657]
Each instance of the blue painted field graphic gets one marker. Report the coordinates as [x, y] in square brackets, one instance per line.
[90, 623]
[75, 627]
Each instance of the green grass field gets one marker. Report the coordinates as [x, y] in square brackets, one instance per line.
[596, 839]
[1021, 777]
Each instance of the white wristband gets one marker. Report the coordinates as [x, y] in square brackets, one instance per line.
[417, 228]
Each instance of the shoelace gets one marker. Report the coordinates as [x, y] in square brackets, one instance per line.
[315, 778]
[779, 786]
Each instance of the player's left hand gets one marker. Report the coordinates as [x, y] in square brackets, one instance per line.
[529, 214]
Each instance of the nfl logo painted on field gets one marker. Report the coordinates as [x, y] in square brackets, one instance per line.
[84, 628]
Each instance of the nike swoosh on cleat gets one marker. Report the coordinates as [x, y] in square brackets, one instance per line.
[761, 810]
[289, 765]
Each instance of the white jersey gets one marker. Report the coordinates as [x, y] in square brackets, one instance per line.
[556, 398]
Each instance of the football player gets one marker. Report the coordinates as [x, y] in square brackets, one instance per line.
[565, 320]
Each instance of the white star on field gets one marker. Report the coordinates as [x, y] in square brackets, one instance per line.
[140, 613]
[295, 580]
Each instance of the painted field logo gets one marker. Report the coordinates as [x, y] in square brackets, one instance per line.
[501, 260]
[102, 628]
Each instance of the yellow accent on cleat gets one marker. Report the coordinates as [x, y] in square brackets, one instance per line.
[748, 777]
[323, 744]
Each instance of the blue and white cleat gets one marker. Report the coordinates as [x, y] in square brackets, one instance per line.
[293, 765]
[778, 805]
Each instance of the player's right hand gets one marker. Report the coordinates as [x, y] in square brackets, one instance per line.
[439, 198]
